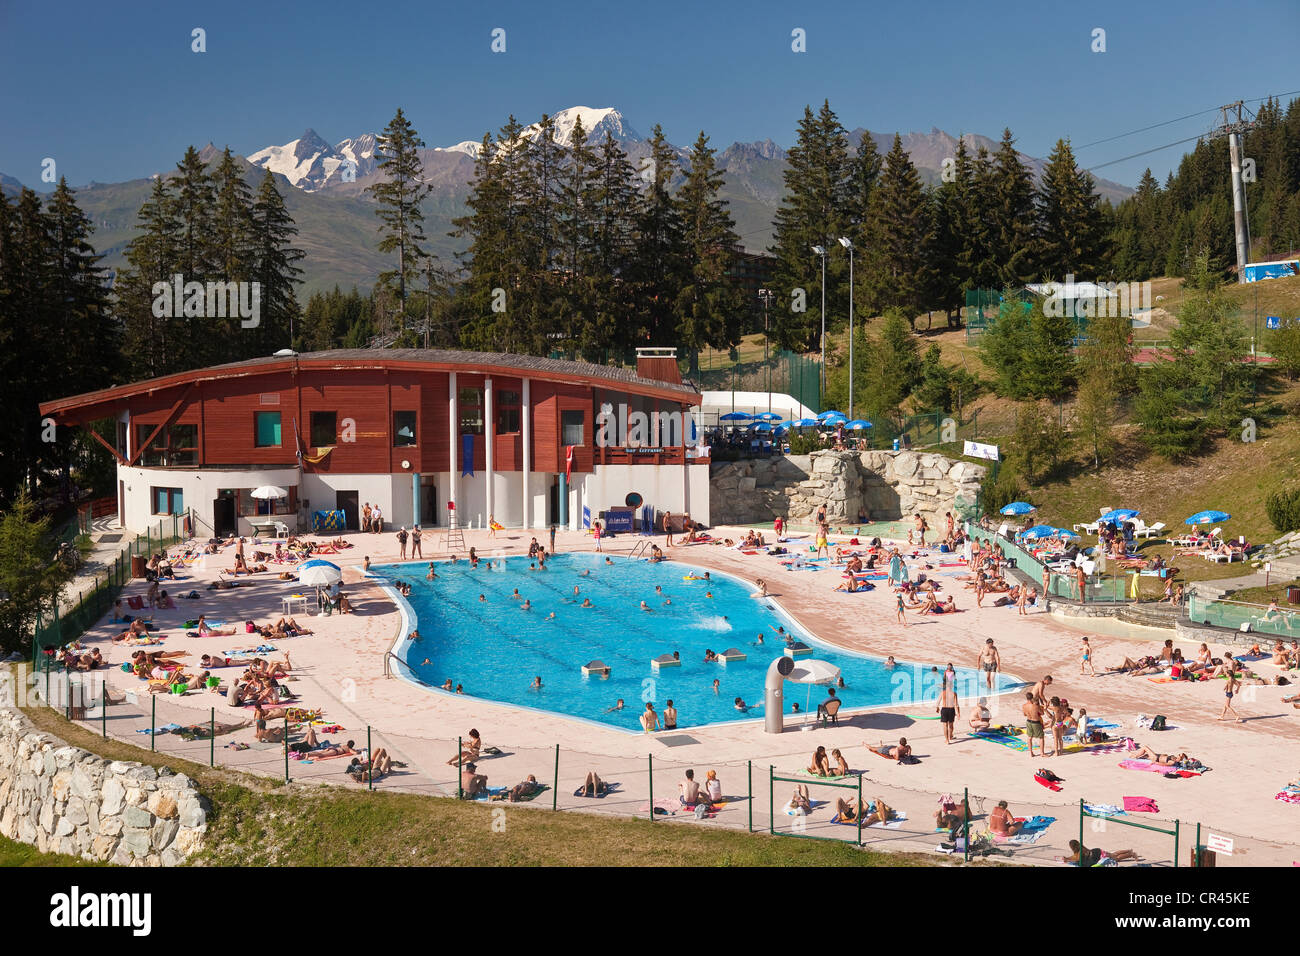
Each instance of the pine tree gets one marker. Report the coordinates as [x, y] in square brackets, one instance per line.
[1095, 414]
[613, 212]
[153, 345]
[1070, 227]
[709, 304]
[399, 194]
[232, 256]
[661, 261]
[814, 212]
[898, 267]
[274, 266]
[1012, 213]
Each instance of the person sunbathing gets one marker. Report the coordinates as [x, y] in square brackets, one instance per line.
[878, 812]
[820, 766]
[472, 783]
[528, 787]
[594, 786]
[1143, 665]
[799, 804]
[334, 750]
[841, 765]
[901, 753]
[206, 630]
[1093, 855]
[471, 748]
[380, 765]
[1146, 753]
[1002, 822]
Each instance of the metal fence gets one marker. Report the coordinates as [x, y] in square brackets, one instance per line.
[1233, 614]
[57, 630]
[1098, 588]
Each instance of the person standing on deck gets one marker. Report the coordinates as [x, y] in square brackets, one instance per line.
[401, 543]
[416, 534]
[668, 528]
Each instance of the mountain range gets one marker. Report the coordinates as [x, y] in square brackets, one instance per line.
[324, 187]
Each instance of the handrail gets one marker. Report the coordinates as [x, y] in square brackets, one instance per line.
[640, 546]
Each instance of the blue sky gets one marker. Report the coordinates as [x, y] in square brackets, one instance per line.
[113, 91]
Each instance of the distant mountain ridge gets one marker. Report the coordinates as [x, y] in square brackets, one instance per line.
[324, 187]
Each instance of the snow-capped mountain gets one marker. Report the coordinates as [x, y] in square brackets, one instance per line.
[310, 163]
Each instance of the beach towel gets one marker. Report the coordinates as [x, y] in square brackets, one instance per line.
[1006, 740]
[815, 804]
[1033, 829]
[609, 788]
[1289, 796]
[831, 779]
[1104, 809]
[1052, 785]
[666, 805]
[1157, 768]
[164, 729]
[1141, 805]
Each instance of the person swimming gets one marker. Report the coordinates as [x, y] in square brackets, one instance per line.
[482, 598]
[526, 606]
[586, 602]
[644, 606]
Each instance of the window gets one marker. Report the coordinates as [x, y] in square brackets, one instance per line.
[175, 445]
[268, 429]
[403, 429]
[571, 427]
[167, 501]
[248, 506]
[324, 429]
[507, 412]
[182, 445]
[470, 403]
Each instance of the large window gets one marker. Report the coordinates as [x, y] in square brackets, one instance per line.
[267, 429]
[571, 427]
[403, 429]
[324, 429]
[507, 411]
[470, 403]
[248, 506]
[167, 501]
[175, 445]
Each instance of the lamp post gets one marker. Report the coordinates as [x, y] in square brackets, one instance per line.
[844, 241]
[767, 295]
[821, 251]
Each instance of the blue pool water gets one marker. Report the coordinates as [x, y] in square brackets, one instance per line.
[495, 649]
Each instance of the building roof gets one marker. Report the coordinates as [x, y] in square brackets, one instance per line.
[398, 359]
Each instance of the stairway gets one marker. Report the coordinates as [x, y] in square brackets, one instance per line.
[1150, 615]
[454, 539]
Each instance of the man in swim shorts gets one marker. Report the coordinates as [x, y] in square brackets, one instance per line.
[1034, 724]
[948, 710]
[990, 661]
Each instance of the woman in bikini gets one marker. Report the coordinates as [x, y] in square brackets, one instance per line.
[841, 765]
[473, 747]
[820, 765]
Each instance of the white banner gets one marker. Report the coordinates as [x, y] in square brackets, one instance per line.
[974, 449]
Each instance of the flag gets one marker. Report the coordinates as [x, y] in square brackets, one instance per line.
[467, 455]
[568, 461]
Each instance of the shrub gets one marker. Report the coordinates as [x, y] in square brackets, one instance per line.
[1283, 508]
[997, 494]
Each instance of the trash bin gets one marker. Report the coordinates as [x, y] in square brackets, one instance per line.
[1293, 594]
[895, 444]
[137, 565]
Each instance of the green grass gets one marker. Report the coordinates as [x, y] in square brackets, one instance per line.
[257, 822]
[1276, 591]
[13, 854]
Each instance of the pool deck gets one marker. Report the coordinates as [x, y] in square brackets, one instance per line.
[342, 669]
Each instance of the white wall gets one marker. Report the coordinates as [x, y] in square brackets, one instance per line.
[199, 488]
[674, 488]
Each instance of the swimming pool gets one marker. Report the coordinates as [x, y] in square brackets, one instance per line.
[495, 649]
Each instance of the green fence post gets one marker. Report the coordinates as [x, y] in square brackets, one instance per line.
[555, 794]
[1176, 829]
[460, 776]
[1196, 856]
[771, 795]
[860, 810]
[1081, 847]
[286, 743]
[212, 738]
[153, 721]
[749, 777]
[651, 769]
[965, 817]
[370, 770]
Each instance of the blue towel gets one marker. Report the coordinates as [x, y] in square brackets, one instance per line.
[164, 729]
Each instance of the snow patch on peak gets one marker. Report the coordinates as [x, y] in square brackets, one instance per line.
[469, 147]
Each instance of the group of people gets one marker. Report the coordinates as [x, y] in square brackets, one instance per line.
[414, 536]
[372, 518]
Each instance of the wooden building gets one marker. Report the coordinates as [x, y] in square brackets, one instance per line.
[529, 441]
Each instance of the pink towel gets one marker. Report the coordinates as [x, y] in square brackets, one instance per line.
[1140, 805]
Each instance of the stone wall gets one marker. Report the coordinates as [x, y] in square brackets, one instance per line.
[61, 799]
[888, 484]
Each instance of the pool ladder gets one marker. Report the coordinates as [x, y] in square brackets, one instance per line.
[640, 547]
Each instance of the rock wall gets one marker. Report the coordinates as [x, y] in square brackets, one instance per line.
[888, 484]
[61, 799]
